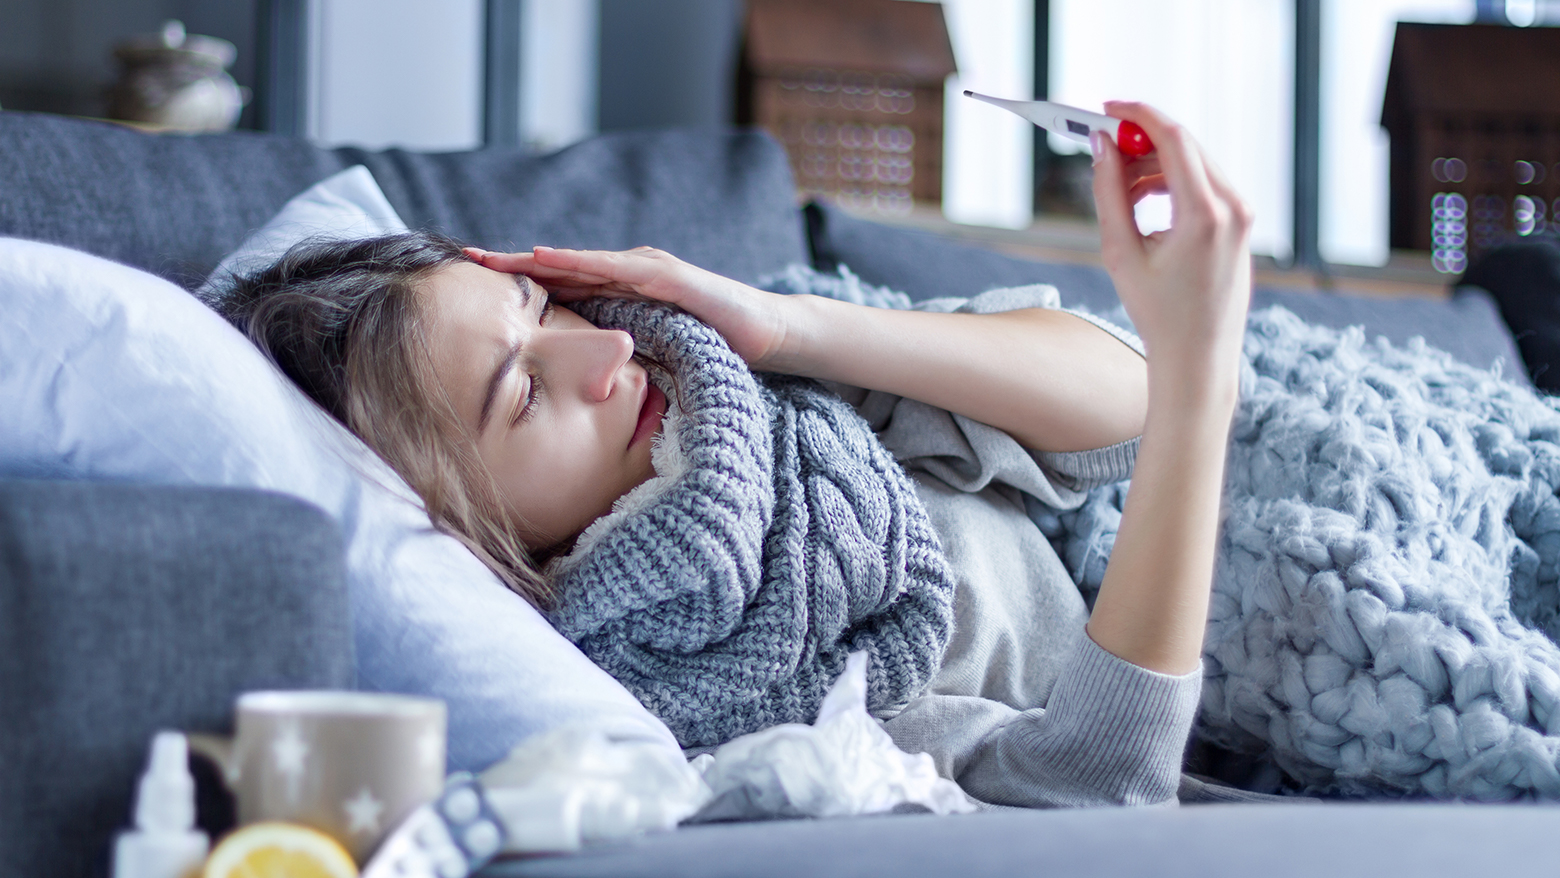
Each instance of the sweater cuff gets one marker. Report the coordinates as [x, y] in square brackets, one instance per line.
[1112, 733]
[1087, 470]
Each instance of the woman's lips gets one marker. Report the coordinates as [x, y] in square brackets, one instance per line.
[650, 413]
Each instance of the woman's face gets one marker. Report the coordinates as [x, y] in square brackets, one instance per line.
[562, 414]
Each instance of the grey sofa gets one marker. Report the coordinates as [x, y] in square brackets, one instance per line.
[128, 608]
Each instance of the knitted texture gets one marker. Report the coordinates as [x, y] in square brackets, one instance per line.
[729, 601]
[1385, 602]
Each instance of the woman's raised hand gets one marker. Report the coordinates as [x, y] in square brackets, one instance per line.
[1187, 288]
[752, 321]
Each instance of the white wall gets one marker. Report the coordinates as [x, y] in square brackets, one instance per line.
[988, 158]
[558, 72]
[395, 73]
[1223, 68]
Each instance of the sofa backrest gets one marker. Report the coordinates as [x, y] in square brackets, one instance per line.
[175, 204]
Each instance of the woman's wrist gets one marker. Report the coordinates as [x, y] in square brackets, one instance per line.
[797, 318]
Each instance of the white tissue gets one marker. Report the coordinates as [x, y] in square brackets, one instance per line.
[573, 786]
[842, 765]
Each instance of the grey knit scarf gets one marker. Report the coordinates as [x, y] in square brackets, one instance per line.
[727, 593]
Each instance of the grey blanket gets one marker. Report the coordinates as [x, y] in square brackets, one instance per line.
[1385, 604]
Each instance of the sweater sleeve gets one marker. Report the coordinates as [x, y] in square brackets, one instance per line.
[970, 455]
[1113, 733]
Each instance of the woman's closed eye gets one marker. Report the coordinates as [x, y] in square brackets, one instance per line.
[533, 392]
[534, 387]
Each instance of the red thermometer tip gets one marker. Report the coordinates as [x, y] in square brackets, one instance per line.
[1132, 140]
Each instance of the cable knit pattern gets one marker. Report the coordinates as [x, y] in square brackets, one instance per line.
[1385, 600]
[729, 601]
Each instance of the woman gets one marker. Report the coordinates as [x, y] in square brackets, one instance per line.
[529, 431]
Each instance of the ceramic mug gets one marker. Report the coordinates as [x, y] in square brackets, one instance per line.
[351, 764]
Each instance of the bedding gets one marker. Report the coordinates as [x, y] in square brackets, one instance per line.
[1387, 593]
[112, 374]
[347, 204]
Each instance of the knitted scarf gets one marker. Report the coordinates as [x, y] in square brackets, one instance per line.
[778, 537]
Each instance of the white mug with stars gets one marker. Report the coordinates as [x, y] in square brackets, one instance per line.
[352, 764]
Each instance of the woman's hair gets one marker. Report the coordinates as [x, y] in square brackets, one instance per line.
[342, 320]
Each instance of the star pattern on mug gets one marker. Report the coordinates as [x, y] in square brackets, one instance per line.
[289, 751]
[363, 812]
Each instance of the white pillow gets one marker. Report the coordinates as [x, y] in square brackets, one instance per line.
[347, 204]
[110, 373]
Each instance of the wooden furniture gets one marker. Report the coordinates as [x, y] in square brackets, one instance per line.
[854, 90]
[1474, 115]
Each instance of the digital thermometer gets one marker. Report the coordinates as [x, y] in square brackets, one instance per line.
[1075, 124]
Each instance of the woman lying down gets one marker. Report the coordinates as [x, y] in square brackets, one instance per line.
[719, 501]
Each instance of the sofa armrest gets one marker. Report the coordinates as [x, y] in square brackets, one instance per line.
[125, 609]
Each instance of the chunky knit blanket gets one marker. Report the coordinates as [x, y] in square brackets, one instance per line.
[778, 537]
[1386, 601]
[1385, 607]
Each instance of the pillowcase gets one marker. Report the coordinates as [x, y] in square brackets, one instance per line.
[110, 373]
[347, 204]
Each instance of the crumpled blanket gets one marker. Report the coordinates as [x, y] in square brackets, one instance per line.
[1385, 606]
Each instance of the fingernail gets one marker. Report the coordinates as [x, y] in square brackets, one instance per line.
[541, 247]
[1097, 146]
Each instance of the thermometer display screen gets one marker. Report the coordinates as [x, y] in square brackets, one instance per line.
[1077, 128]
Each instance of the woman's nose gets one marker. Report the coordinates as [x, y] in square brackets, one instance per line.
[590, 359]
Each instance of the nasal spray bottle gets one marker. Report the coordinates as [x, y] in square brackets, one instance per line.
[165, 842]
[1075, 124]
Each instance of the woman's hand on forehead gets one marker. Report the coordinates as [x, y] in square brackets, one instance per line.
[752, 321]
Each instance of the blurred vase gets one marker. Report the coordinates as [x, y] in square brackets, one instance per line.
[177, 81]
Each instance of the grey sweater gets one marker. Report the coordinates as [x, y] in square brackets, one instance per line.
[1027, 710]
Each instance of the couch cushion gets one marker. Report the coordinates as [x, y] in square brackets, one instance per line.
[174, 204]
[1468, 326]
[1202, 841]
[125, 609]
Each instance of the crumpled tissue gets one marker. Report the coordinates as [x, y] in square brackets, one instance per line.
[842, 765]
[573, 786]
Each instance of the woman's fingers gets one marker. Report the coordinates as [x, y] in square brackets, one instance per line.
[637, 267]
[1147, 186]
[1120, 242]
[1180, 160]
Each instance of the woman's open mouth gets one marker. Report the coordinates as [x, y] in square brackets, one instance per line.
[650, 413]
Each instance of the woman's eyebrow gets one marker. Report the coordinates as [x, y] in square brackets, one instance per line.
[504, 367]
[523, 284]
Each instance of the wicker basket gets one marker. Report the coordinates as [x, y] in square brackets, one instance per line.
[1474, 115]
[854, 91]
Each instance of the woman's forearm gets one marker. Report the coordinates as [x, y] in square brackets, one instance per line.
[1052, 380]
[1153, 604]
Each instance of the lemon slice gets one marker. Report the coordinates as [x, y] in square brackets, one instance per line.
[279, 850]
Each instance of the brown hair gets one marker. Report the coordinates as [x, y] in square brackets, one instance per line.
[342, 320]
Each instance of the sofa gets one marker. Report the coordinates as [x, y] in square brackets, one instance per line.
[129, 605]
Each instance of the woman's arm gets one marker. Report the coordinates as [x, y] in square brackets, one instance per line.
[1052, 380]
[1187, 291]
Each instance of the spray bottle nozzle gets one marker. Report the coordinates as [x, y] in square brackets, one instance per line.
[165, 801]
